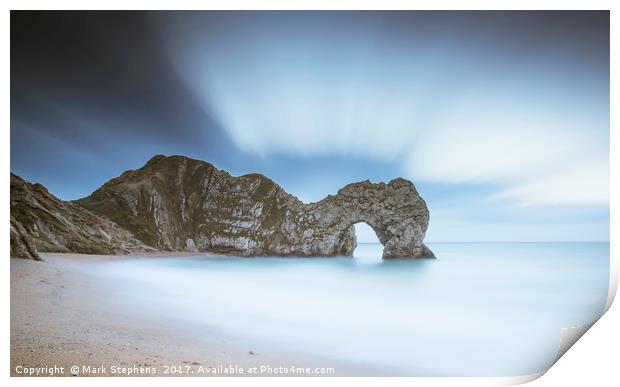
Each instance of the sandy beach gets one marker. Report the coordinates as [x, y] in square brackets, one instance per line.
[64, 316]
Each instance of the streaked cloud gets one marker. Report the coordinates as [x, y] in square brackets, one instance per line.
[580, 184]
[466, 103]
[553, 155]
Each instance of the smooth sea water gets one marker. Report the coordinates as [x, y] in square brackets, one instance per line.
[479, 309]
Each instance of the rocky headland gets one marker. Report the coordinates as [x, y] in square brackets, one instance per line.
[175, 203]
[42, 222]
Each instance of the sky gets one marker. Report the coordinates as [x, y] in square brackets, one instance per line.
[501, 119]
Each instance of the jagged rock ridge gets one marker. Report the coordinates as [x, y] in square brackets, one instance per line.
[42, 222]
[177, 203]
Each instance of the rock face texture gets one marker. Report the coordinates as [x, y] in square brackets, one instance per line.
[395, 211]
[176, 203]
[22, 245]
[42, 222]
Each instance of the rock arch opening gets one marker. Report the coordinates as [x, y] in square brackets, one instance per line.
[368, 247]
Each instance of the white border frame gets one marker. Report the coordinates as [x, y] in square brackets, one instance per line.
[593, 360]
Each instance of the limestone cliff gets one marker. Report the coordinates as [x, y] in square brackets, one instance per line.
[177, 203]
[42, 222]
[395, 211]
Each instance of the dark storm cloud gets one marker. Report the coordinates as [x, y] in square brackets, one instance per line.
[99, 64]
[95, 89]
